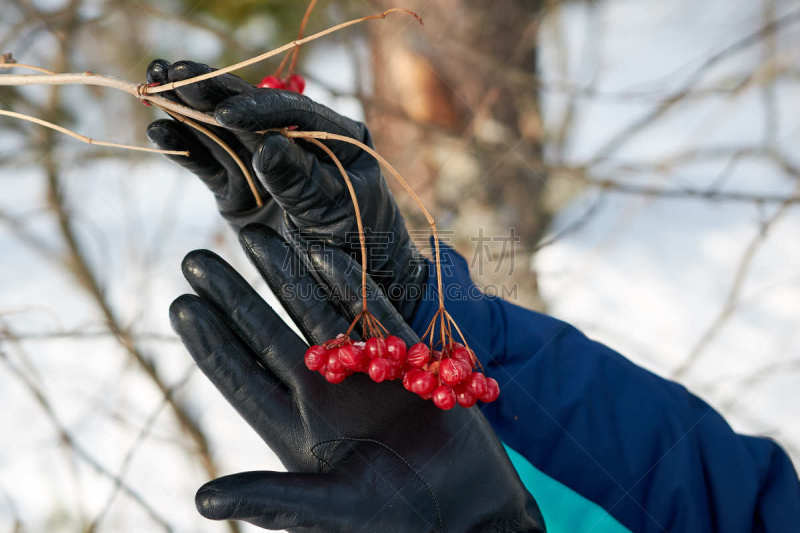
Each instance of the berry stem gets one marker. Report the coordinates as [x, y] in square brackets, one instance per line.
[300, 32]
[354, 198]
[400, 179]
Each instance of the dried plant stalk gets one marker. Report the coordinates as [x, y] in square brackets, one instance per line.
[89, 140]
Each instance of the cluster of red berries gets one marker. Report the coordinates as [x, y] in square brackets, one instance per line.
[446, 377]
[295, 83]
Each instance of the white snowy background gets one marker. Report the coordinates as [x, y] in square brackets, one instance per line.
[648, 276]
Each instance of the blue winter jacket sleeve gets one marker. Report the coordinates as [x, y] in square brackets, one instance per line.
[654, 456]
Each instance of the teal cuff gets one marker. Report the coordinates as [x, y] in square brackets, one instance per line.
[563, 509]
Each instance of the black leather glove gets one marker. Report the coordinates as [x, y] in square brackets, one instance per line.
[305, 197]
[361, 456]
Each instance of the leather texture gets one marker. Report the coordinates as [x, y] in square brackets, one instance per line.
[305, 197]
[361, 456]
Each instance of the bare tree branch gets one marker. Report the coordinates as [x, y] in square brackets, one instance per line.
[67, 438]
[621, 138]
[732, 300]
[140, 438]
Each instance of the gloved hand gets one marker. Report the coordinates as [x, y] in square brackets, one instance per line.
[305, 197]
[361, 456]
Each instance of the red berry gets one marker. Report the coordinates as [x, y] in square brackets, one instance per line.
[396, 370]
[296, 83]
[395, 349]
[379, 369]
[408, 376]
[335, 377]
[492, 391]
[444, 397]
[464, 397]
[452, 371]
[375, 347]
[334, 363]
[476, 384]
[271, 82]
[351, 356]
[462, 354]
[315, 357]
[418, 355]
[423, 383]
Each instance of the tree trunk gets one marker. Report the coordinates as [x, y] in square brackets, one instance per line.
[456, 109]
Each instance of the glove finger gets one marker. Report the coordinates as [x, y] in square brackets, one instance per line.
[259, 397]
[263, 109]
[172, 135]
[158, 72]
[269, 338]
[210, 162]
[339, 276]
[207, 94]
[304, 188]
[285, 273]
[341, 273]
[278, 500]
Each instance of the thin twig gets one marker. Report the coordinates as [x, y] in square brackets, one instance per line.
[276, 51]
[302, 29]
[144, 432]
[89, 78]
[359, 223]
[618, 140]
[67, 438]
[732, 300]
[89, 140]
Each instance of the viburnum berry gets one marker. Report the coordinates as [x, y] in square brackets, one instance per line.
[462, 353]
[271, 82]
[395, 349]
[315, 357]
[334, 363]
[351, 356]
[422, 383]
[492, 391]
[476, 384]
[396, 369]
[446, 376]
[407, 375]
[444, 398]
[452, 371]
[379, 369]
[295, 83]
[463, 396]
[375, 347]
[418, 355]
[335, 377]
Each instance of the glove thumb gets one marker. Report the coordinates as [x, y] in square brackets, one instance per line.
[275, 500]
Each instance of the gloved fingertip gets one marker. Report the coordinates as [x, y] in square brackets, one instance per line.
[274, 152]
[211, 503]
[166, 135]
[195, 264]
[184, 69]
[158, 71]
[182, 312]
[233, 111]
